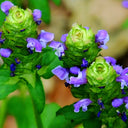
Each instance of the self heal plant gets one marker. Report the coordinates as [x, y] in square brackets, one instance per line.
[99, 83]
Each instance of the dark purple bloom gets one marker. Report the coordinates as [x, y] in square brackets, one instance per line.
[12, 74]
[81, 79]
[1, 40]
[63, 37]
[117, 102]
[60, 72]
[17, 61]
[5, 6]
[101, 104]
[5, 52]
[34, 43]
[123, 92]
[98, 114]
[102, 38]
[124, 117]
[12, 67]
[59, 47]
[45, 37]
[125, 3]
[125, 99]
[110, 60]
[74, 70]
[82, 103]
[37, 15]
[38, 66]
[84, 63]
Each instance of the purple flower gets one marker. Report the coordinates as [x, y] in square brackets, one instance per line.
[117, 102]
[1, 40]
[45, 37]
[5, 52]
[82, 103]
[98, 114]
[118, 69]
[74, 70]
[102, 38]
[125, 100]
[63, 37]
[81, 79]
[110, 60]
[17, 61]
[87, 28]
[34, 43]
[101, 104]
[124, 117]
[125, 3]
[5, 6]
[37, 15]
[59, 47]
[12, 67]
[84, 63]
[60, 72]
[38, 66]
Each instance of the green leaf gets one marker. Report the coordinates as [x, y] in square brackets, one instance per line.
[49, 62]
[22, 110]
[37, 94]
[125, 24]
[43, 5]
[75, 118]
[92, 123]
[57, 2]
[119, 124]
[49, 114]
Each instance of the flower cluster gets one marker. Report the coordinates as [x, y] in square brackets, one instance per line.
[84, 69]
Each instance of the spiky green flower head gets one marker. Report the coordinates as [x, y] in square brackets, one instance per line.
[100, 73]
[80, 44]
[19, 25]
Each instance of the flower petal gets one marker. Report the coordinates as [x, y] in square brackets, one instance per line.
[125, 4]
[74, 70]
[117, 102]
[63, 37]
[118, 69]
[110, 60]
[5, 52]
[36, 14]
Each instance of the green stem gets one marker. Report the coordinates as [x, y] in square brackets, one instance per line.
[3, 112]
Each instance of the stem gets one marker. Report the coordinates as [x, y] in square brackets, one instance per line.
[3, 112]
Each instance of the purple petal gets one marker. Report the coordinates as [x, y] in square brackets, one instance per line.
[55, 44]
[5, 52]
[87, 28]
[125, 4]
[125, 99]
[82, 103]
[34, 43]
[110, 60]
[118, 69]
[74, 70]
[84, 63]
[60, 72]
[46, 36]
[36, 14]
[126, 106]
[124, 117]
[63, 37]
[117, 102]
[5, 6]
[0, 34]
[12, 67]
[125, 71]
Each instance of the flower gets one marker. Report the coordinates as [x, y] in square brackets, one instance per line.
[117, 102]
[110, 60]
[59, 47]
[5, 6]
[84, 63]
[37, 15]
[12, 67]
[45, 37]
[81, 79]
[82, 103]
[74, 70]
[17, 61]
[60, 72]
[125, 3]
[125, 100]
[63, 37]
[102, 38]
[5, 52]
[34, 43]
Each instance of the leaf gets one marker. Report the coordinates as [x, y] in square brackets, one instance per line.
[125, 24]
[22, 110]
[92, 123]
[75, 118]
[49, 114]
[37, 94]
[43, 5]
[49, 62]
[119, 124]
[57, 2]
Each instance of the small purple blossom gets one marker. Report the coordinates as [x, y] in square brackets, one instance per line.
[45, 37]
[60, 72]
[38, 66]
[12, 67]
[102, 38]
[87, 28]
[34, 43]
[82, 103]
[124, 117]
[37, 15]
[63, 37]
[5, 52]
[125, 3]
[1, 40]
[17, 61]
[84, 63]
[98, 114]
[74, 70]
[110, 60]
[117, 102]
[81, 79]
[101, 104]
[59, 47]
[5, 6]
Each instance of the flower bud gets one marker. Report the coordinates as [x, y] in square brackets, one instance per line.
[100, 73]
